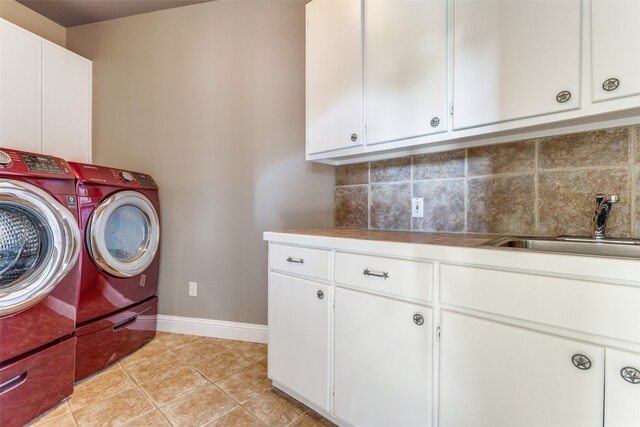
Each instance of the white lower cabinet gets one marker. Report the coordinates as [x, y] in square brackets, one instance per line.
[622, 389]
[496, 375]
[299, 336]
[383, 369]
[414, 335]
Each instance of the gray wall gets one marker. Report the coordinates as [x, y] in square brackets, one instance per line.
[209, 99]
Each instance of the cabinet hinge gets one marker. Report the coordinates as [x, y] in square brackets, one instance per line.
[438, 333]
[451, 109]
[333, 392]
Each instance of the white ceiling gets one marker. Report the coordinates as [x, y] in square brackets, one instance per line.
[70, 13]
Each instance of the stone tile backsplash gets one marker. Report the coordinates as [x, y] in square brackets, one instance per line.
[541, 187]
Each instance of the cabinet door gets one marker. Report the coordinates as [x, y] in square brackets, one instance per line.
[514, 59]
[406, 66]
[66, 104]
[334, 75]
[622, 389]
[383, 359]
[493, 374]
[299, 336]
[615, 35]
[19, 89]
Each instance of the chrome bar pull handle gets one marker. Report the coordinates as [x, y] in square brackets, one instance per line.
[383, 274]
[296, 260]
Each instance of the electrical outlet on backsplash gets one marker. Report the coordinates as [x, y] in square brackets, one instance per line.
[542, 187]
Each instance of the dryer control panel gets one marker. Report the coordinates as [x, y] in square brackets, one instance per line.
[110, 176]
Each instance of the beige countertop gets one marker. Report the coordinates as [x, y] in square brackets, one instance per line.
[446, 239]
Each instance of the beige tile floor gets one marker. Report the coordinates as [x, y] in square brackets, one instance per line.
[183, 380]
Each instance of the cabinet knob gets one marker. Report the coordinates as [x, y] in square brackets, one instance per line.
[611, 84]
[418, 319]
[630, 375]
[295, 261]
[563, 96]
[581, 362]
[320, 294]
[354, 137]
[435, 121]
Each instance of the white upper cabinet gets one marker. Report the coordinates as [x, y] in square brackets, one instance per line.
[615, 37]
[45, 96]
[514, 59]
[19, 89]
[66, 104]
[405, 69]
[334, 75]
[432, 75]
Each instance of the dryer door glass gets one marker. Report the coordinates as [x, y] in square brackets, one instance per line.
[123, 234]
[39, 245]
[127, 233]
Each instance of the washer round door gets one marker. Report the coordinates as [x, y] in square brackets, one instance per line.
[123, 234]
[39, 245]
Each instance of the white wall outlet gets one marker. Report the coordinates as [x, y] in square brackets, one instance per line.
[417, 207]
[193, 289]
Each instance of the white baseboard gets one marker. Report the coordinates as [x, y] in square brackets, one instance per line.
[213, 328]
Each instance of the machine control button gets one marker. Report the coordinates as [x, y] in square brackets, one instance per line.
[5, 160]
[126, 176]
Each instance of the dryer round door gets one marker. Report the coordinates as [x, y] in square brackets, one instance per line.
[39, 245]
[123, 234]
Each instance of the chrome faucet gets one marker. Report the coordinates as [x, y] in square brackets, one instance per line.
[603, 209]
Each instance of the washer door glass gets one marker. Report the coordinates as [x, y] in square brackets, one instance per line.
[25, 243]
[39, 244]
[123, 234]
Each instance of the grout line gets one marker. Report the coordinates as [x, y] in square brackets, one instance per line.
[368, 195]
[632, 178]
[411, 184]
[584, 168]
[536, 189]
[466, 189]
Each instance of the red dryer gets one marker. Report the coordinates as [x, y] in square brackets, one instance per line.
[39, 247]
[119, 264]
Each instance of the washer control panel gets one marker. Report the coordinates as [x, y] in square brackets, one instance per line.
[41, 164]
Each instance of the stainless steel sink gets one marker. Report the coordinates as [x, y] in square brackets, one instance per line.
[625, 248]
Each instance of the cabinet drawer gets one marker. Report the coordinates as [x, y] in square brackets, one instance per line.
[591, 307]
[303, 261]
[394, 277]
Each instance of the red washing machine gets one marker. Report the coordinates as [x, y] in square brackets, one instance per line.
[119, 264]
[39, 246]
